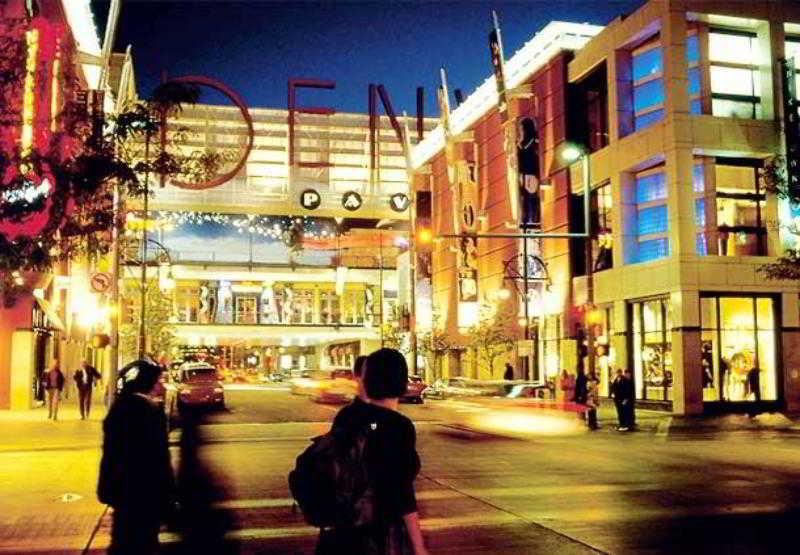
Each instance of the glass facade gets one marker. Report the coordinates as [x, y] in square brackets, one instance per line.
[734, 74]
[648, 85]
[738, 348]
[741, 229]
[651, 326]
[651, 223]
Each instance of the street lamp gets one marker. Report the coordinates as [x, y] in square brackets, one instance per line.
[572, 153]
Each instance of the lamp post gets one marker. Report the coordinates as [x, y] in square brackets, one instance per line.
[573, 153]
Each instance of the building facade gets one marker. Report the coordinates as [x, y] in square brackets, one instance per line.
[678, 108]
[54, 314]
[290, 266]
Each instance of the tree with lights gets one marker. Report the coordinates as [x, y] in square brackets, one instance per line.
[61, 158]
[433, 345]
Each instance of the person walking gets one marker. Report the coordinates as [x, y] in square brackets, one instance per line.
[53, 385]
[617, 391]
[136, 477]
[509, 373]
[391, 461]
[592, 400]
[628, 401]
[85, 378]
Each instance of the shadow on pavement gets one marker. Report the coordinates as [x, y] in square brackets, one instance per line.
[201, 526]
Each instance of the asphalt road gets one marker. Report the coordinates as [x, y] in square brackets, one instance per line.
[494, 480]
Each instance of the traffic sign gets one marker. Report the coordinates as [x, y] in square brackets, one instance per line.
[100, 282]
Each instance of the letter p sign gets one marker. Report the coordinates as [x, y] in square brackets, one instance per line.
[310, 199]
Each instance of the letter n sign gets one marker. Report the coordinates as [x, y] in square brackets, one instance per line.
[791, 121]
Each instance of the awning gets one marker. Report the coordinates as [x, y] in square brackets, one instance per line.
[53, 319]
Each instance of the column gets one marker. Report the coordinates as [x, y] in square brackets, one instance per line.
[619, 339]
[687, 371]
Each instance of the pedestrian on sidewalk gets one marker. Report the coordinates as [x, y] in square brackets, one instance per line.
[85, 379]
[391, 463]
[135, 473]
[566, 383]
[54, 385]
[509, 373]
[592, 400]
[617, 393]
[628, 401]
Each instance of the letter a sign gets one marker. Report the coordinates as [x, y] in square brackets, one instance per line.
[310, 199]
[352, 201]
[399, 202]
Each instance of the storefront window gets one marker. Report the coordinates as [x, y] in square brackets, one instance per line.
[246, 310]
[738, 349]
[740, 205]
[549, 352]
[652, 349]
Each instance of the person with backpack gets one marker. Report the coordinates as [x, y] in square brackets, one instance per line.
[356, 483]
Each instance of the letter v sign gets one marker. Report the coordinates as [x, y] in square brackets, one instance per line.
[399, 202]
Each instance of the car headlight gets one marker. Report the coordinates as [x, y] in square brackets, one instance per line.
[218, 390]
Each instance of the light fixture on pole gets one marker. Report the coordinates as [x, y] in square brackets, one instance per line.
[571, 153]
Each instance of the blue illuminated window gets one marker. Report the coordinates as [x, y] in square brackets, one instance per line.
[692, 49]
[648, 63]
[651, 187]
[648, 119]
[700, 244]
[700, 212]
[653, 220]
[694, 81]
[698, 179]
[653, 249]
[648, 95]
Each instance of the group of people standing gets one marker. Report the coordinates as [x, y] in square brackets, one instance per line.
[86, 378]
[584, 389]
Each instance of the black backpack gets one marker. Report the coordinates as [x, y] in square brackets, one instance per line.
[331, 481]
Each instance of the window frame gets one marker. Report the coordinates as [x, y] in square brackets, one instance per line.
[754, 100]
[759, 197]
[640, 206]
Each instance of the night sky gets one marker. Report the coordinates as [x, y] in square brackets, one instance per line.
[254, 47]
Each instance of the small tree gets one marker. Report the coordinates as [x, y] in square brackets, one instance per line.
[489, 338]
[432, 345]
[158, 316]
[393, 335]
[787, 267]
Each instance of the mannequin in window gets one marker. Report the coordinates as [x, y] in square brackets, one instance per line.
[528, 173]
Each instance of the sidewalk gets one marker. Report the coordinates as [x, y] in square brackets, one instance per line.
[31, 430]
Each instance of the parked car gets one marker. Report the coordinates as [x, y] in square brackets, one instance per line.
[199, 386]
[414, 390]
[528, 391]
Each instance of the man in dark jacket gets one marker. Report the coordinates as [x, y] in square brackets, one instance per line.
[617, 391]
[85, 378]
[135, 472]
[628, 398]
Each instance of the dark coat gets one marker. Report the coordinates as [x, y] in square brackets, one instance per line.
[53, 379]
[86, 381]
[135, 471]
[393, 465]
[581, 388]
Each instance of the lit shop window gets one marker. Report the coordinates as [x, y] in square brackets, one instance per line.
[738, 349]
[602, 228]
[648, 85]
[792, 50]
[735, 79]
[741, 229]
[651, 222]
[652, 349]
[550, 340]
